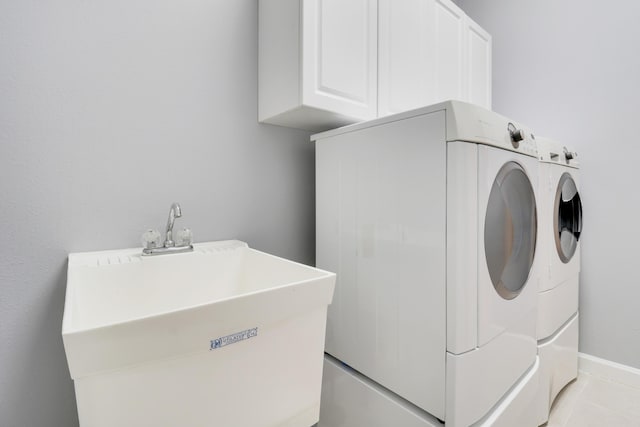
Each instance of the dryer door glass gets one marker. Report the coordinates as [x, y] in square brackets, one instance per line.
[567, 224]
[510, 230]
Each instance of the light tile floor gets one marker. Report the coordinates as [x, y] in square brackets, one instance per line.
[592, 401]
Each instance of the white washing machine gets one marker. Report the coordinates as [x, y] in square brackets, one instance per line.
[560, 213]
[429, 218]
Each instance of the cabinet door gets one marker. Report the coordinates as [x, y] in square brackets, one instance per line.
[421, 54]
[449, 59]
[339, 63]
[405, 48]
[478, 52]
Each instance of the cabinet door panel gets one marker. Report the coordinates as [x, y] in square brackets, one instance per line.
[478, 65]
[449, 58]
[422, 54]
[405, 81]
[340, 56]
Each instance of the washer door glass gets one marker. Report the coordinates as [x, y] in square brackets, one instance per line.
[567, 224]
[510, 230]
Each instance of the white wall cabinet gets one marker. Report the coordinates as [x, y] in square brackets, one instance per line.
[318, 62]
[430, 51]
[478, 68]
[327, 63]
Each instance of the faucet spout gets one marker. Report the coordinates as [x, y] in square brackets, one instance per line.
[174, 212]
[152, 246]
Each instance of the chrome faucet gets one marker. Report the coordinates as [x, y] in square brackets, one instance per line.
[150, 240]
[174, 212]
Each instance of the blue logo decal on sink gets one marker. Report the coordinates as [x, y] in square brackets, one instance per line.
[233, 338]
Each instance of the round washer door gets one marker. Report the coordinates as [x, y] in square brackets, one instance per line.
[510, 230]
[567, 222]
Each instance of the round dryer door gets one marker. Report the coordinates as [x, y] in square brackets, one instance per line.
[510, 230]
[567, 222]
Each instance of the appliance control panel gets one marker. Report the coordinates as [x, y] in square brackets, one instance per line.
[468, 122]
[528, 145]
[463, 122]
[550, 151]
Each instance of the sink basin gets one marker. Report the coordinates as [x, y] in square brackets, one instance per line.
[174, 339]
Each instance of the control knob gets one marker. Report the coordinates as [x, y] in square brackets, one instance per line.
[517, 135]
[569, 154]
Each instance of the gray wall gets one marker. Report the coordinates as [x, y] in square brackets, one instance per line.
[571, 70]
[109, 111]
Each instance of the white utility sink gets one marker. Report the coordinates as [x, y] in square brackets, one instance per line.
[224, 335]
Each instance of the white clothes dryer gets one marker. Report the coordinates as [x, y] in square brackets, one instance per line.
[560, 217]
[429, 218]
[559, 237]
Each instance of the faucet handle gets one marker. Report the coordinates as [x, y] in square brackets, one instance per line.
[184, 237]
[151, 239]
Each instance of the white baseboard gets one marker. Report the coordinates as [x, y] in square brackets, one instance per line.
[610, 370]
